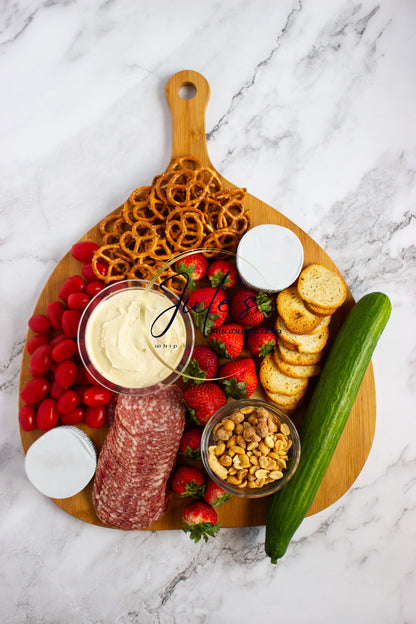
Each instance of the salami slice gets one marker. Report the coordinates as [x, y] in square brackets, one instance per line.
[130, 484]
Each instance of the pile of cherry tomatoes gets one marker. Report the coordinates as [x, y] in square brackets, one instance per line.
[60, 388]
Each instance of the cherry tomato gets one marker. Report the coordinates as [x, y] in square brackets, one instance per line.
[88, 272]
[66, 373]
[101, 268]
[96, 416]
[35, 390]
[93, 288]
[96, 395]
[47, 415]
[81, 376]
[67, 402]
[74, 417]
[64, 350]
[90, 379]
[27, 418]
[56, 390]
[80, 389]
[41, 360]
[84, 250]
[39, 323]
[70, 322]
[78, 301]
[54, 311]
[35, 342]
[56, 339]
[75, 283]
[54, 366]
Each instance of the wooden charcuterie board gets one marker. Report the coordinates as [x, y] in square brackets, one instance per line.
[188, 125]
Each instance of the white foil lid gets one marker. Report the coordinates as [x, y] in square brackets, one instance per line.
[269, 257]
[61, 462]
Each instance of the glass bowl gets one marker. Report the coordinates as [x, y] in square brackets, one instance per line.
[134, 339]
[286, 471]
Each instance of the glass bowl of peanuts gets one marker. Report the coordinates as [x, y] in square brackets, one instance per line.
[250, 448]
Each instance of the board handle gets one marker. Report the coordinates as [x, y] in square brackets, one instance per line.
[187, 93]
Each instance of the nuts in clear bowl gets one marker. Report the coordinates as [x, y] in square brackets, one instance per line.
[249, 447]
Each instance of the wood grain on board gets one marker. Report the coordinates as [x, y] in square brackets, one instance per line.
[188, 138]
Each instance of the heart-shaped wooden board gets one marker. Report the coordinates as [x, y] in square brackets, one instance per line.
[188, 126]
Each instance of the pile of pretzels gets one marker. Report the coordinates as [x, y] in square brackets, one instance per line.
[184, 208]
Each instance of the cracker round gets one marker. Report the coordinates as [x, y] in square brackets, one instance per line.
[321, 287]
[297, 371]
[297, 357]
[296, 316]
[306, 343]
[273, 380]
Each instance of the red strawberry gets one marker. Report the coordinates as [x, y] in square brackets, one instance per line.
[203, 364]
[227, 340]
[261, 341]
[250, 309]
[215, 495]
[188, 481]
[200, 520]
[203, 401]
[222, 273]
[209, 308]
[241, 378]
[190, 444]
[194, 266]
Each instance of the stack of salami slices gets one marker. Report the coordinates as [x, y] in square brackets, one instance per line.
[302, 326]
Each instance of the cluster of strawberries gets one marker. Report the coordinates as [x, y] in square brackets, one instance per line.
[210, 307]
[209, 383]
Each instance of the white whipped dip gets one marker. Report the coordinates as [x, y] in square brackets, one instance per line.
[116, 344]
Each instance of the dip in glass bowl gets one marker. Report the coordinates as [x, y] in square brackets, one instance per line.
[134, 339]
[250, 448]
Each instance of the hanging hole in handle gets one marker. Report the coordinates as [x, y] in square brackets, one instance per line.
[187, 91]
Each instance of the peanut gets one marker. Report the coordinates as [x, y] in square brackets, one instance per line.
[247, 410]
[231, 441]
[264, 450]
[225, 460]
[233, 480]
[285, 429]
[268, 440]
[219, 449]
[228, 425]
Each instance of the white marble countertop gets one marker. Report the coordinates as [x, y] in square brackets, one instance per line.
[312, 109]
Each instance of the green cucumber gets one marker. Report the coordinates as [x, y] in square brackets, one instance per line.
[325, 418]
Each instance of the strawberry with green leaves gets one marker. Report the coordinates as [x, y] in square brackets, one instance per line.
[240, 378]
[194, 265]
[227, 340]
[203, 364]
[190, 444]
[222, 272]
[200, 520]
[249, 308]
[261, 341]
[215, 495]
[188, 481]
[208, 307]
[203, 401]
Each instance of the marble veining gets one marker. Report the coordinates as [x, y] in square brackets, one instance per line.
[312, 108]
